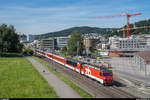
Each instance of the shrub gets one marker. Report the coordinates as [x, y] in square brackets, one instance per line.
[27, 52]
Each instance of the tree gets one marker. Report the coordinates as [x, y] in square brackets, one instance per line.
[64, 49]
[27, 51]
[9, 39]
[75, 44]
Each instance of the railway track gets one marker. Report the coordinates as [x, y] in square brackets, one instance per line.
[93, 87]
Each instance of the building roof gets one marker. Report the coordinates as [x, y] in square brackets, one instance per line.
[144, 54]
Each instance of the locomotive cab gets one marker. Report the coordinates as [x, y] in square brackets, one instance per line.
[107, 77]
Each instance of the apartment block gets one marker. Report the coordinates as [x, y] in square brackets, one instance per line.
[47, 44]
[62, 41]
[133, 43]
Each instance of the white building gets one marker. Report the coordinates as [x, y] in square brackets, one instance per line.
[91, 36]
[47, 44]
[133, 43]
[30, 38]
[23, 38]
[38, 44]
[62, 41]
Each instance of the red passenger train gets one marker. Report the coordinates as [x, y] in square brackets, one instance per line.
[101, 74]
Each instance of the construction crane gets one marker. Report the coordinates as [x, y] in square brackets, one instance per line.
[119, 15]
[123, 29]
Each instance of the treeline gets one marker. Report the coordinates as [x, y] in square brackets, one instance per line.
[81, 30]
[133, 32]
[9, 39]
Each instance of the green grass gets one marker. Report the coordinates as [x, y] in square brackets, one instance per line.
[19, 79]
[82, 93]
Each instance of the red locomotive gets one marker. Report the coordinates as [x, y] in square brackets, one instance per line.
[101, 74]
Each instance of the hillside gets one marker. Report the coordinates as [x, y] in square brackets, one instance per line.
[103, 31]
[81, 30]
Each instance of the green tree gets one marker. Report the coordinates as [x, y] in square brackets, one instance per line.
[75, 44]
[28, 52]
[64, 49]
[9, 39]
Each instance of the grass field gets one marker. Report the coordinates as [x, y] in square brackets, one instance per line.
[82, 93]
[19, 79]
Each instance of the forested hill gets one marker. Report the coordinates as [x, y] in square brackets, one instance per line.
[103, 31]
[81, 30]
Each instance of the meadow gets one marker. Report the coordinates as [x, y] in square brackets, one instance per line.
[19, 79]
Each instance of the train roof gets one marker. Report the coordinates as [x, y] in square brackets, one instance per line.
[73, 60]
[102, 68]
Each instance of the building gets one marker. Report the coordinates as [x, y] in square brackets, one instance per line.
[35, 43]
[133, 43]
[62, 41]
[90, 43]
[103, 44]
[55, 44]
[47, 44]
[91, 36]
[38, 44]
[23, 38]
[30, 38]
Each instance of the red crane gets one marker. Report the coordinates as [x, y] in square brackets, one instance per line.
[118, 15]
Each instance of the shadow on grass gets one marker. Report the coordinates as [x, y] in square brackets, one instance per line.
[4, 54]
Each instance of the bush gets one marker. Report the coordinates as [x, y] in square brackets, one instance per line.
[27, 52]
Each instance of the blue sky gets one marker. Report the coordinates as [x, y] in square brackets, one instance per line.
[42, 16]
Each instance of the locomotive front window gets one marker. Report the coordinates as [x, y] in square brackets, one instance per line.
[106, 74]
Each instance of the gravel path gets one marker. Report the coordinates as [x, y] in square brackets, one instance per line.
[61, 88]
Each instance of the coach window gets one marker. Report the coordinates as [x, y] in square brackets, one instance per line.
[72, 63]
